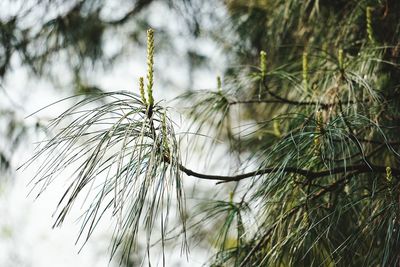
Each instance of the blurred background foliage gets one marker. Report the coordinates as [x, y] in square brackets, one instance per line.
[324, 97]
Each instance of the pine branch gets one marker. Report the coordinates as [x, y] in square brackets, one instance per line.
[282, 100]
[361, 168]
[141, 4]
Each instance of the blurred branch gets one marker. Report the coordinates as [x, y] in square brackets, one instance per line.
[140, 4]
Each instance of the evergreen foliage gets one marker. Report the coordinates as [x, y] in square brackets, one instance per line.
[314, 87]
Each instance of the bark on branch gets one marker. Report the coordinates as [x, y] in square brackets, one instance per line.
[361, 168]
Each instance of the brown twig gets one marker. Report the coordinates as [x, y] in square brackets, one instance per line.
[361, 168]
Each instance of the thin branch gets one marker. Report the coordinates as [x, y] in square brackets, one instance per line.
[362, 168]
[141, 4]
[281, 100]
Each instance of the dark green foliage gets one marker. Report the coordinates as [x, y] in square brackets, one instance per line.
[344, 114]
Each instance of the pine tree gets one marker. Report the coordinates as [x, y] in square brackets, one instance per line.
[310, 106]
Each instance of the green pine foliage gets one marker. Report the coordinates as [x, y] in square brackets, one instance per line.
[315, 85]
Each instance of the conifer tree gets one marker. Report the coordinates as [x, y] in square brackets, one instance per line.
[310, 106]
